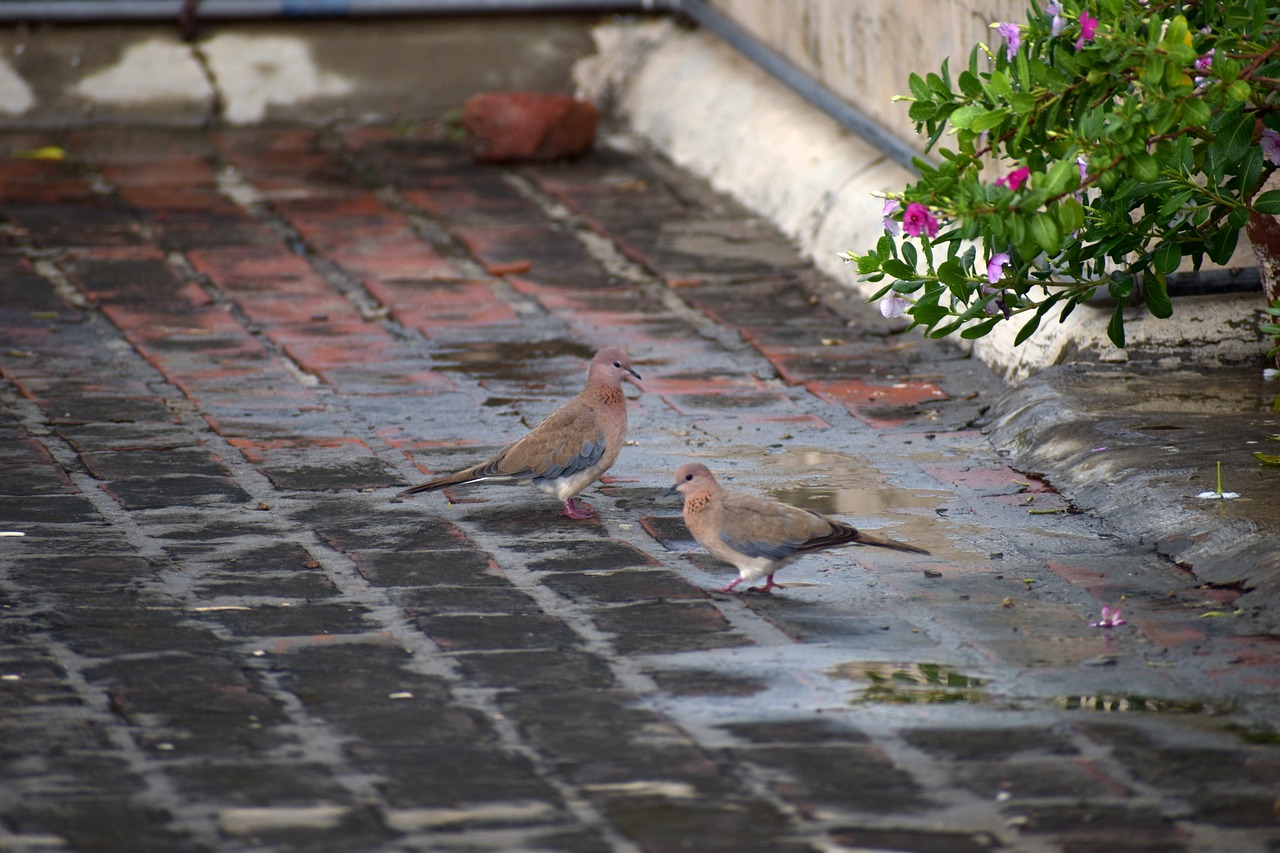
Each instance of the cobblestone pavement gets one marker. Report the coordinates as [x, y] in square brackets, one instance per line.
[223, 354]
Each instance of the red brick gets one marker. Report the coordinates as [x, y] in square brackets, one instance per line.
[539, 126]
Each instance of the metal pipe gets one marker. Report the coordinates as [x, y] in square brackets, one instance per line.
[102, 11]
[846, 115]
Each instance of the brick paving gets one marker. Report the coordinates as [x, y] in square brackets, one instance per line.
[224, 353]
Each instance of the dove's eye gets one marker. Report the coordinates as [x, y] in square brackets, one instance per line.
[688, 477]
[618, 364]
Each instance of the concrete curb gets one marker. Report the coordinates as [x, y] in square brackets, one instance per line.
[1088, 431]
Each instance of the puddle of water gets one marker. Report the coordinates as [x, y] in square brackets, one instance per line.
[1118, 704]
[514, 359]
[841, 485]
[911, 683]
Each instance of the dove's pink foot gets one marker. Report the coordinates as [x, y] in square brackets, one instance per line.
[768, 586]
[577, 513]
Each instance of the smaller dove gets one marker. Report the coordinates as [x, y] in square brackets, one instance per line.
[760, 535]
[569, 450]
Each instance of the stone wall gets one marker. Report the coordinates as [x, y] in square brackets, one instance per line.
[864, 51]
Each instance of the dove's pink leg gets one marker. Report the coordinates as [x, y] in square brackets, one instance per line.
[731, 585]
[572, 510]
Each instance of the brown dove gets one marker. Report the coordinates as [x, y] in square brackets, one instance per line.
[760, 535]
[569, 450]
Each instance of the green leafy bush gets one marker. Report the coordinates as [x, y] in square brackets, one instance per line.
[1132, 135]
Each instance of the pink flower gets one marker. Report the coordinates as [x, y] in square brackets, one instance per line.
[1271, 145]
[1110, 618]
[918, 218]
[1088, 26]
[995, 266]
[1015, 179]
[891, 207]
[1055, 9]
[1204, 63]
[893, 305]
[1013, 37]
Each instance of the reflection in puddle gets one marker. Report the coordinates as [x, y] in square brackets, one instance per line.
[1134, 704]
[847, 486]
[514, 359]
[911, 683]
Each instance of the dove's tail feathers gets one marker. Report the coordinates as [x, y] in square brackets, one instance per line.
[469, 475]
[865, 538]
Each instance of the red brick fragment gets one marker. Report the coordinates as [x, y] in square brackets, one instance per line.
[503, 126]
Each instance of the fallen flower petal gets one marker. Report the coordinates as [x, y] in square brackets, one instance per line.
[1110, 618]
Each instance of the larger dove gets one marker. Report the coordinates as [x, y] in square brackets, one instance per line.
[569, 450]
[760, 535]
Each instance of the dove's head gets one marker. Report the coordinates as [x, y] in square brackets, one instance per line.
[610, 366]
[692, 478]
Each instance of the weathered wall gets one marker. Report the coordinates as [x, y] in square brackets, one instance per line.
[864, 51]
[309, 71]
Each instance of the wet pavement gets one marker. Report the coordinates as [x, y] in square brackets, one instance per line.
[223, 355]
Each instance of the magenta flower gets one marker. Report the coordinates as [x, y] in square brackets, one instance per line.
[1110, 618]
[1055, 9]
[893, 305]
[1204, 63]
[1088, 26]
[1270, 142]
[1013, 38]
[1015, 179]
[891, 207]
[995, 266]
[918, 218]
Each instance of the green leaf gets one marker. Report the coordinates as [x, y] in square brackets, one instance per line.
[1156, 292]
[1115, 329]
[1000, 85]
[964, 117]
[1195, 112]
[909, 255]
[1120, 286]
[981, 329]
[1267, 458]
[922, 110]
[1143, 166]
[988, 120]
[1268, 202]
[1221, 244]
[1060, 176]
[1028, 329]
[928, 315]
[1166, 259]
[898, 269]
[1023, 103]
[1044, 228]
[951, 273]
[1233, 134]
[970, 85]
[918, 87]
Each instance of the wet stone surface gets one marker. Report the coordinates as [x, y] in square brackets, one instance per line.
[221, 630]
